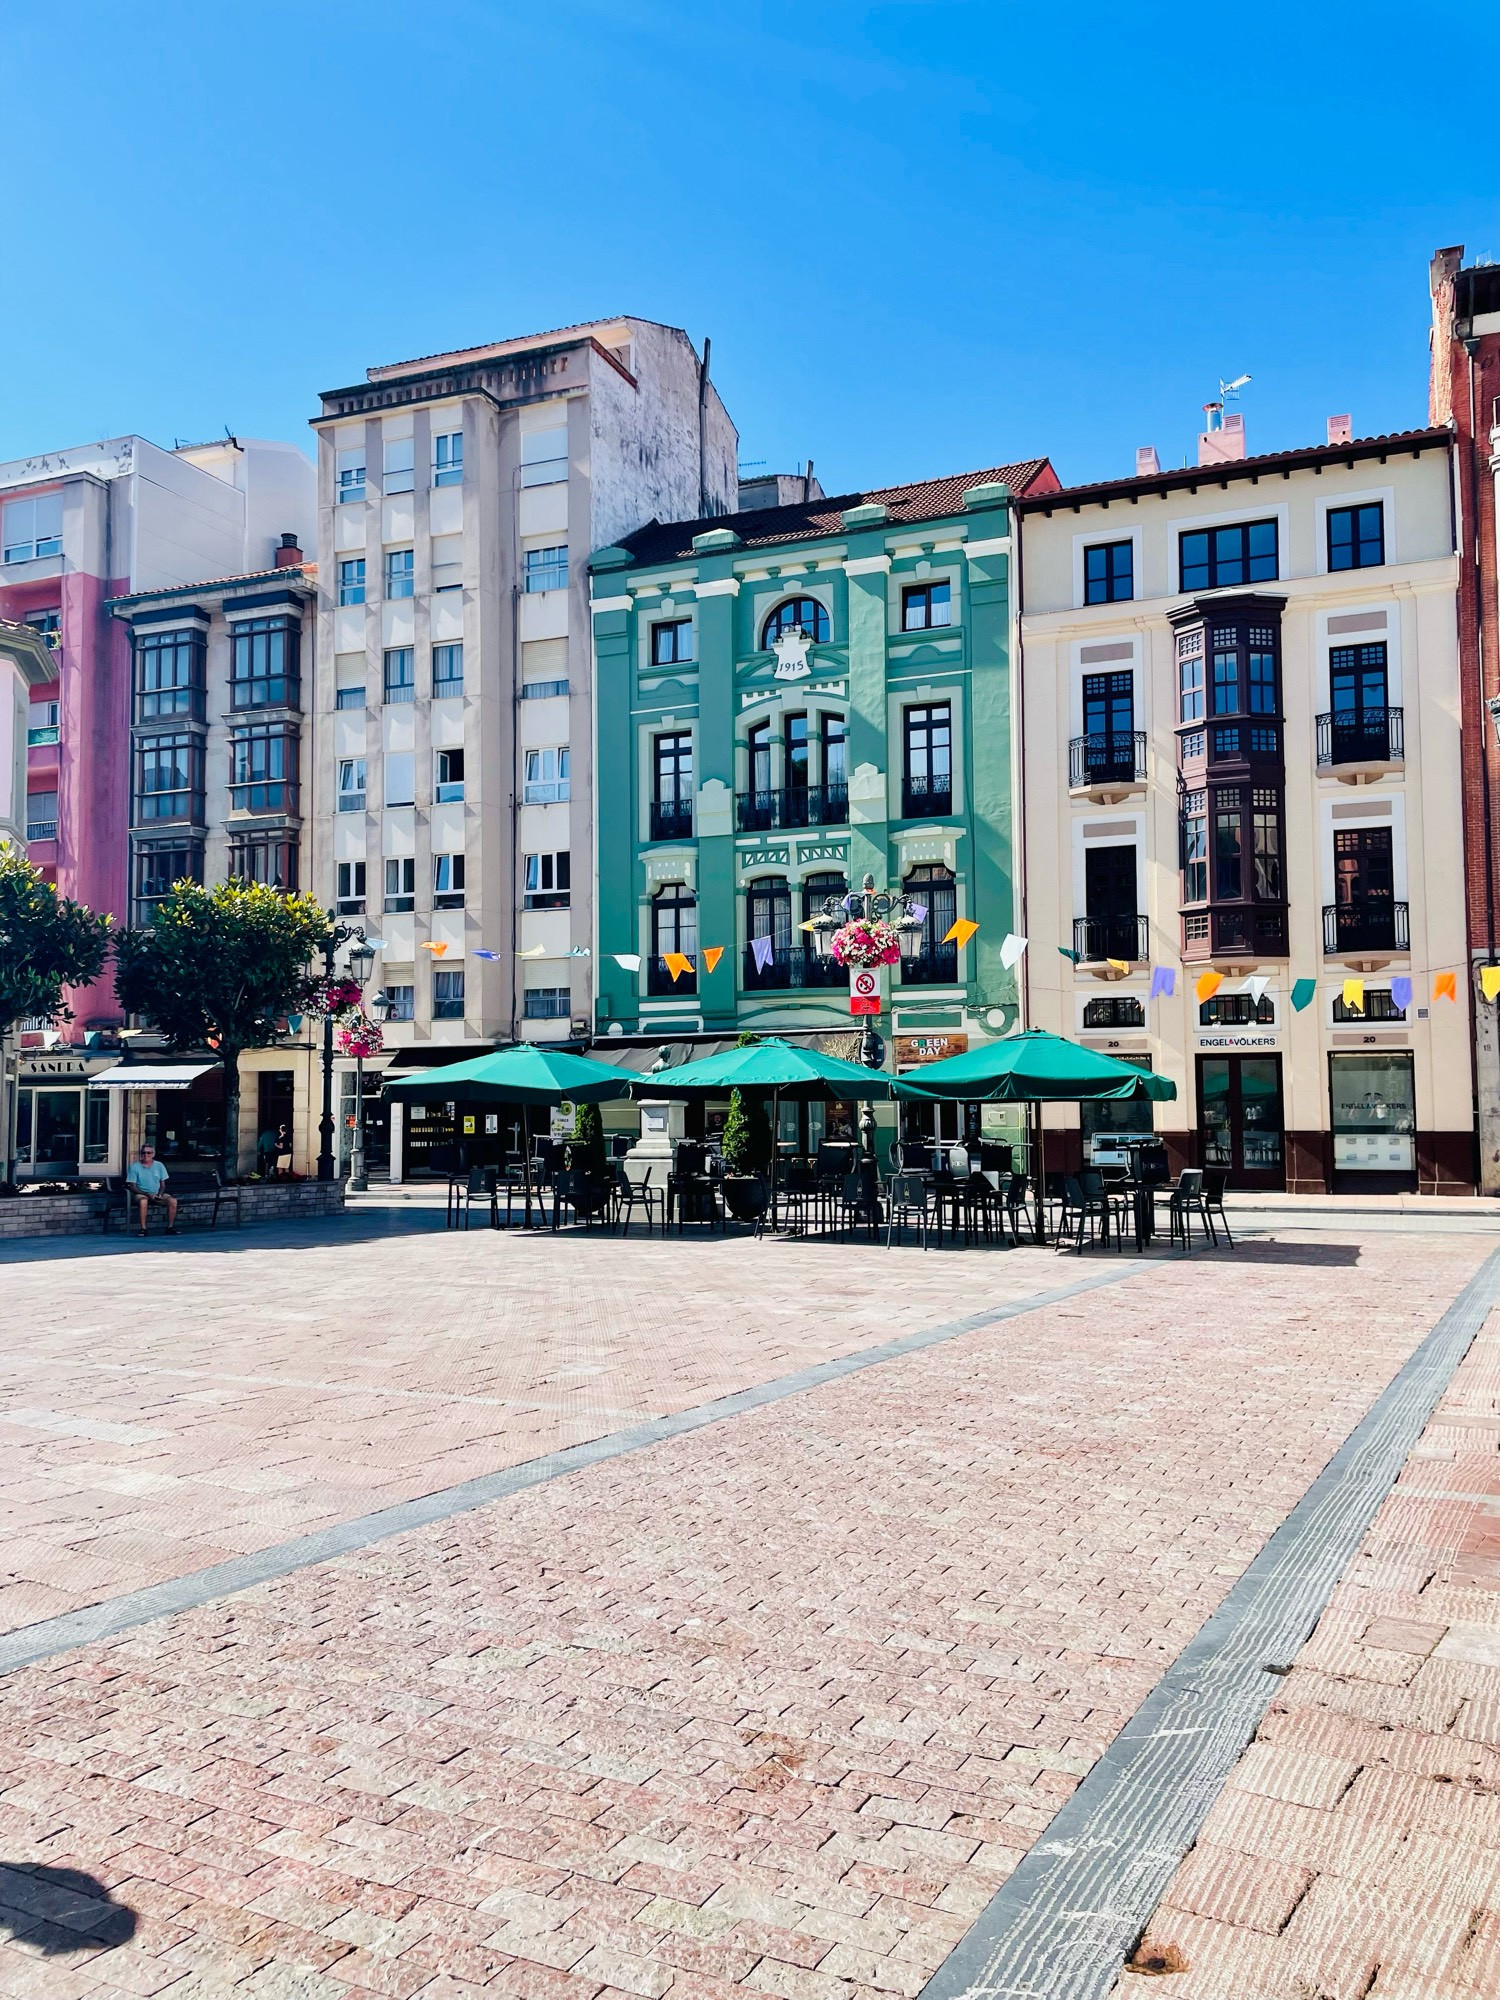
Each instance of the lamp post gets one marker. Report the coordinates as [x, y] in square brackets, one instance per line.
[907, 918]
[335, 935]
[361, 964]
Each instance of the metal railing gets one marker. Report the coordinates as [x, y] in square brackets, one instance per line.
[791, 966]
[41, 829]
[937, 967]
[1368, 923]
[927, 798]
[1098, 938]
[793, 805]
[671, 819]
[1362, 736]
[1108, 757]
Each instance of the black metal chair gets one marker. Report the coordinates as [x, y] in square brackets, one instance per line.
[480, 1186]
[1090, 1209]
[588, 1196]
[909, 1202]
[633, 1190]
[1018, 1206]
[1215, 1180]
[1183, 1202]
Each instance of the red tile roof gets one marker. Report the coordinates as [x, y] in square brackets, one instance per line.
[760, 527]
[303, 572]
[1171, 477]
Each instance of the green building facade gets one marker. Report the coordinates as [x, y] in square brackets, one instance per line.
[788, 700]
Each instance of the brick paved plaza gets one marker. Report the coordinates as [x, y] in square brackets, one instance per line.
[775, 1704]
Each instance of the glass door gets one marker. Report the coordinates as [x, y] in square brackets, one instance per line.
[1373, 1115]
[1240, 1120]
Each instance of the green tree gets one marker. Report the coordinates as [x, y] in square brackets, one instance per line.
[746, 1145]
[46, 944]
[221, 967]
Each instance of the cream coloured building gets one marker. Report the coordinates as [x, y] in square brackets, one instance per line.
[1240, 730]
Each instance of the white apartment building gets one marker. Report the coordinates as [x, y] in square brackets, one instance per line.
[1239, 704]
[460, 496]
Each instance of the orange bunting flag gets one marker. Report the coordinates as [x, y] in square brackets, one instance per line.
[1207, 985]
[437, 950]
[1445, 986]
[677, 964]
[962, 930]
[1489, 980]
[712, 953]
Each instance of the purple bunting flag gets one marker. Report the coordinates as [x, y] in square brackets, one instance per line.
[1163, 982]
[760, 951]
[1401, 992]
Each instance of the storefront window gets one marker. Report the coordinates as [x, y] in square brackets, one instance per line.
[1106, 1124]
[95, 1127]
[58, 1116]
[1374, 1106]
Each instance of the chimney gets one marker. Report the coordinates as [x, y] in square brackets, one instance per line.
[1340, 429]
[289, 554]
[1224, 439]
[1145, 461]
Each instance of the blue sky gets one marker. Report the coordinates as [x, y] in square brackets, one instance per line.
[925, 235]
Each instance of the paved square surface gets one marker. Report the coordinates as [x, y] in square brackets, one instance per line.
[775, 1705]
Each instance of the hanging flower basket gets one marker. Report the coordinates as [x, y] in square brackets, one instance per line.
[361, 1037]
[867, 941]
[339, 996]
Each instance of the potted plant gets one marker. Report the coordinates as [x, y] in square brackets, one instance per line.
[746, 1150]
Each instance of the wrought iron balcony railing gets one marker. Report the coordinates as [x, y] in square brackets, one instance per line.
[792, 966]
[792, 805]
[1108, 757]
[1363, 736]
[1366, 923]
[1098, 938]
[671, 819]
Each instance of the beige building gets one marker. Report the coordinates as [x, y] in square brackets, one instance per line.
[460, 496]
[1239, 711]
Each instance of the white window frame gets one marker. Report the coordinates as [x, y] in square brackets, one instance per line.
[27, 532]
[448, 466]
[548, 777]
[349, 793]
[396, 476]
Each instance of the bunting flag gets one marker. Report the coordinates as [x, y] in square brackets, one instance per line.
[1354, 995]
[917, 912]
[1207, 985]
[1489, 980]
[712, 953]
[1256, 986]
[1445, 986]
[1120, 965]
[631, 960]
[437, 950]
[677, 963]
[962, 929]
[477, 953]
[1063, 952]
[810, 925]
[1401, 992]
[1012, 951]
[579, 951]
[760, 952]
[1303, 992]
[1163, 982]
[536, 951]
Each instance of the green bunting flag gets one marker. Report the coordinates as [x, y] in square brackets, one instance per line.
[1302, 993]
[1074, 955]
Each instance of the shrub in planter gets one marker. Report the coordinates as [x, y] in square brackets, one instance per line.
[746, 1196]
[746, 1144]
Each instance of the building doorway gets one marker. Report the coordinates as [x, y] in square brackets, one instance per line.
[1373, 1116]
[1240, 1119]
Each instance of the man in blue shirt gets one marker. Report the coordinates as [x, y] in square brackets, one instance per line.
[147, 1178]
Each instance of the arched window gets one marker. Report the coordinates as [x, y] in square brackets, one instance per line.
[816, 889]
[797, 614]
[934, 887]
[768, 915]
[674, 928]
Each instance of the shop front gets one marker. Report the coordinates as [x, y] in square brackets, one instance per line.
[65, 1126]
[1372, 1100]
[1241, 1120]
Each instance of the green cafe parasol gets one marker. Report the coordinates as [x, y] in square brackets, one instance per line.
[770, 1068]
[1033, 1068]
[520, 1075]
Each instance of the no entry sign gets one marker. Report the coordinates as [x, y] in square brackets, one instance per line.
[864, 989]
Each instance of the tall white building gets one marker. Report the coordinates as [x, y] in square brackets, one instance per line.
[460, 496]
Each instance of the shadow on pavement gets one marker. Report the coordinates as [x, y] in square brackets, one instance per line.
[57, 1910]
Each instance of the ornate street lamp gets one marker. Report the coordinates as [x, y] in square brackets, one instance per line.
[337, 934]
[361, 965]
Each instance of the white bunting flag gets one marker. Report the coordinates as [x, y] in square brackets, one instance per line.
[1256, 986]
[631, 960]
[1012, 951]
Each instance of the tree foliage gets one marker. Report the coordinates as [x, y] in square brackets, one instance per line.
[746, 1144]
[46, 942]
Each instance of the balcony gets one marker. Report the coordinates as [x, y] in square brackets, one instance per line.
[671, 819]
[792, 966]
[797, 805]
[1096, 940]
[263, 795]
[1107, 765]
[660, 981]
[938, 966]
[41, 829]
[927, 798]
[1240, 934]
[1367, 931]
[1355, 746]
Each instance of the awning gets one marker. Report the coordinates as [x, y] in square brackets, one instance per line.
[153, 1076]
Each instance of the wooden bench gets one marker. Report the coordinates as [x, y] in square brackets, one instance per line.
[197, 1189]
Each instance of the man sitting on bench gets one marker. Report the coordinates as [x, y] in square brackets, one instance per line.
[147, 1179]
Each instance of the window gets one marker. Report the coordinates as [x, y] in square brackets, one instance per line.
[447, 671]
[350, 697]
[1229, 844]
[547, 777]
[1358, 683]
[396, 477]
[797, 614]
[543, 690]
[157, 868]
[671, 642]
[672, 787]
[400, 882]
[447, 996]
[1190, 677]
[400, 572]
[1211, 558]
[448, 881]
[1379, 1006]
[400, 674]
[1356, 536]
[836, 755]
[1108, 573]
[544, 456]
[798, 753]
[924, 605]
[273, 863]
[1262, 682]
[32, 529]
[448, 459]
[1237, 1010]
[263, 771]
[1265, 830]
[448, 777]
[817, 890]
[42, 722]
[547, 1003]
[350, 888]
[1195, 847]
[265, 662]
[169, 674]
[547, 569]
[935, 889]
[447, 562]
[1120, 1011]
[48, 624]
[352, 580]
[400, 778]
[674, 928]
[929, 761]
[349, 480]
[403, 1001]
[548, 879]
[351, 785]
[169, 777]
[41, 815]
[1109, 710]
